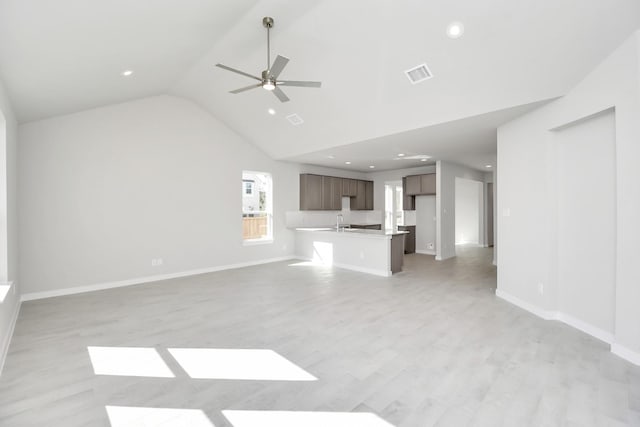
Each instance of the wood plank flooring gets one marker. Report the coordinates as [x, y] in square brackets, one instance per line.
[429, 346]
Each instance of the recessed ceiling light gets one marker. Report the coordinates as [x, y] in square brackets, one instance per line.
[401, 155]
[127, 73]
[331, 157]
[347, 163]
[271, 111]
[372, 167]
[455, 30]
[487, 166]
[423, 160]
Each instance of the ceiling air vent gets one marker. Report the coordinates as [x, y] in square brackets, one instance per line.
[419, 74]
[295, 119]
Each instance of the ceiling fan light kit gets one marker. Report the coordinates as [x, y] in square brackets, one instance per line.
[269, 77]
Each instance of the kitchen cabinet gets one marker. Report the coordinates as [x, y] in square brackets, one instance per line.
[318, 192]
[310, 192]
[409, 239]
[360, 201]
[366, 226]
[413, 185]
[349, 187]
[331, 193]
[408, 202]
[368, 196]
[418, 185]
[428, 184]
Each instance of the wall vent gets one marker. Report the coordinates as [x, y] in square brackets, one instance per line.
[419, 74]
[295, 119]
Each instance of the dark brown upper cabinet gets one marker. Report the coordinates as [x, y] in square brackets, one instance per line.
[349, 187]
[417, 185]
[318, 192]
[331, 193]
[310, 192]
[408, 202]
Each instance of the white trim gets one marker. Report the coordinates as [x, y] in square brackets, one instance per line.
[129, 282]
[625, 353]
[254, 242]
[426, 252]
[581, 325]
[438, 258]
[607, 337]
[7, 339]
[545, 314]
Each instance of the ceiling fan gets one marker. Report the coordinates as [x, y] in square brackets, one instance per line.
[269, 79]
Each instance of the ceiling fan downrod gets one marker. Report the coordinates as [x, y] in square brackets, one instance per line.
[267, 22]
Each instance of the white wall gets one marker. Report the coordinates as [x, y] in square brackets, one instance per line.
[106, 190]
[586, 220]
[527, 210]
[445, 205]
[426, 224]
[8, 221]
[469, 204]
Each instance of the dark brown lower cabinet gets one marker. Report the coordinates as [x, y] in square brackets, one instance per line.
[367, 226]
[409, 239]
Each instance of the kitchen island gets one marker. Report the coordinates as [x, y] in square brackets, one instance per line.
[376, 252]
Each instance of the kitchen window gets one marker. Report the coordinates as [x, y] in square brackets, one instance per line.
[257, 207]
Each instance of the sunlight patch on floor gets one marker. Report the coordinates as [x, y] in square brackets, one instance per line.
[128, 361]
[303, 419]
[238, 364]
[129, 416]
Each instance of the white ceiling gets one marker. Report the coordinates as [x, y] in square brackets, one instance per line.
[65, 56]
[470, 142]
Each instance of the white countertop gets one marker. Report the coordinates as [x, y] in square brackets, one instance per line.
[353, 231]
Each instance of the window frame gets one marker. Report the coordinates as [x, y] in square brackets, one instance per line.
[268, 209]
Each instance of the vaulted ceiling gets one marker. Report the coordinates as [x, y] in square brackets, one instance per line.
[66, 56]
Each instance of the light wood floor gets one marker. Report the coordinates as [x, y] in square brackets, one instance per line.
[429, 346]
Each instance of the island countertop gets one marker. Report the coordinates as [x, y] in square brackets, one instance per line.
[353, 231]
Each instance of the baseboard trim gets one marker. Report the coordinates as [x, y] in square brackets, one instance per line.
[545, 314]
[6, 342]
[607, 337]
[140, 280]
[585, 327]
[625, 353]
[427, 252]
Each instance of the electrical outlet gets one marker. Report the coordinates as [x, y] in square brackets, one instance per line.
[361, 254]
[155, 262]
[159, 260]
[540, 288]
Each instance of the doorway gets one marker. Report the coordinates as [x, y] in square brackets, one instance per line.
[469, 212]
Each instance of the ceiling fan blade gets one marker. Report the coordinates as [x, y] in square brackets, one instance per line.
[300, 84]
[280, 94]
[243, 89]
[224, 67]
[278, 66]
